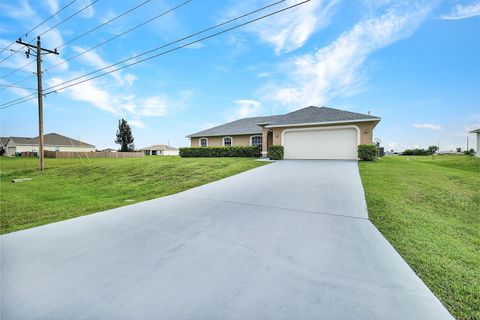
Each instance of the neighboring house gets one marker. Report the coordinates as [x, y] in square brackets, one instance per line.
[51, 141]
[160, 150]
[308, 133]
[477, 131]
[109, 150]
[3, 143]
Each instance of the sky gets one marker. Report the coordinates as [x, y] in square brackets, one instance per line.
[415, 64]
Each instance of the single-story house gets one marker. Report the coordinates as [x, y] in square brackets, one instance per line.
[477, 152]
[160, 150]
[51, 142]
[308, 133]
[108, 150]
[3, 144]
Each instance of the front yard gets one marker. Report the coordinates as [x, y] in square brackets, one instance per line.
[70, 188]
[429, 210]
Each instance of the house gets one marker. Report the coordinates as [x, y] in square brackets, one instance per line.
[477, 131]
[3, 143]
[160, 150]
[308, 133]
[51, 141]
[108, 150]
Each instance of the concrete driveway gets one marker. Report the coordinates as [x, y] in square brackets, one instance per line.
[290, 240]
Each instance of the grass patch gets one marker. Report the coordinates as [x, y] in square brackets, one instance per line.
[429, 210]
[70, 188]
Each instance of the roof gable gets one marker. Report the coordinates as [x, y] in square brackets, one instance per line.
[51, 139]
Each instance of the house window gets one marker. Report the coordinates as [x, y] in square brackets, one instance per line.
[227, 142]
[203, 142]
[256, 141]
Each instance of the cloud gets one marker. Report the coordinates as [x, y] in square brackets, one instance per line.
[245, 109]
[429, 126]
[136, 123]
[460, 11]
[337, 69]
[53, 6]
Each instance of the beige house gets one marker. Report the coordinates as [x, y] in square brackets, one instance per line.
[477, 152]
[52, 142]
[308, 133]
[160, 150]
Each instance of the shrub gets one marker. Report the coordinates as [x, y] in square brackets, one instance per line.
[416, 152]
[470, 152]
[209, 152]
[275, 152]
[367, 152]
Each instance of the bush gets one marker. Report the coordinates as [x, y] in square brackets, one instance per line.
[470, 152]
[275, 152]
[416, 152]
[367, 152]
[209, 152]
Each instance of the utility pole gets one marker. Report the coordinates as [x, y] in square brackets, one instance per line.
[38, 53]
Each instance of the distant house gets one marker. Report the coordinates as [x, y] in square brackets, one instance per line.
[477, 131]
[109, 150]
[51, 141]
[3, 143]
[160, 150]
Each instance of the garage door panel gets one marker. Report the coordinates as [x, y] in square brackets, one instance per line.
[321, 144]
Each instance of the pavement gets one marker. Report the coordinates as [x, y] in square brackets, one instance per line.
[289, 240]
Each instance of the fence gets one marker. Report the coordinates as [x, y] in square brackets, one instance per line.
[101, 154]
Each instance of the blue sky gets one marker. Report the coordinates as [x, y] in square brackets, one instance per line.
[413, 63]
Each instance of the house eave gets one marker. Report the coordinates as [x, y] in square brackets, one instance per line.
[322, 123]
[222, 135]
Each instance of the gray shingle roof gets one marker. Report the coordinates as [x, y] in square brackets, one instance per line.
[158, 147]
[3, 140]
[302, 116]
[52, 139]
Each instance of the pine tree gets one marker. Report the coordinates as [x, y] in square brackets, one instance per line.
[124, 136]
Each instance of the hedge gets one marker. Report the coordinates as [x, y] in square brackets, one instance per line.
[275, 152]
[209, 152]
[367, 152]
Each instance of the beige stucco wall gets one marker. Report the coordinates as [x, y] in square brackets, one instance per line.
[239, 140]
[366, 137]
[33, 148]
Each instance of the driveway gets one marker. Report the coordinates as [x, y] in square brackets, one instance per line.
[290, 240]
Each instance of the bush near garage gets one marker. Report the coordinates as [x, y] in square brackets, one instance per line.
[275, 152]
[367, 152]
[219, 152]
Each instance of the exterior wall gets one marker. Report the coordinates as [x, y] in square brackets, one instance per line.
[477, 152]
[365, 137]
[170, 153]
[12, 149]
[217, 141]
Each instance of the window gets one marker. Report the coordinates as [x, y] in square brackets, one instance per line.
[227, 142]
[203, 142]
[256, 141]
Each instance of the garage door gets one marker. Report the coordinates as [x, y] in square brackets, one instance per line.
[338, 143]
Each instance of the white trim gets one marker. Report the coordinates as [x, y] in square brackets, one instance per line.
[324, 128]
[231, 141]
[255, 135]
[319, 123]
[200, 141]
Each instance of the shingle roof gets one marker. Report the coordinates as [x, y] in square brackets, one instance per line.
[475, 131]
[52, 139]
[3, 140]
[159, 147]
[302, 116]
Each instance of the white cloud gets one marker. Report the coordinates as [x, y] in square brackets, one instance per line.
[154, 106]
[429, 126]
[136, 123]
[53, 6]
[245, 109]
[460, 11]
[336, 69]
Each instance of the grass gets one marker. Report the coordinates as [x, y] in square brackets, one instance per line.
[429, 210]
[70, 188]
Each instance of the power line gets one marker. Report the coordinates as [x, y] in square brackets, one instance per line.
[17, 82]
[174, 42]
[14, 86]
[118, 35]
[18, 69]
[104, 24]
[41, 23]
[20, 100]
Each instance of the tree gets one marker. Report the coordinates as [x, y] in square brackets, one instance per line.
[432, 149]
[124, 136]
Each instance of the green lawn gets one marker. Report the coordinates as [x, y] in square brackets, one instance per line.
[70, 188]
[429, 210]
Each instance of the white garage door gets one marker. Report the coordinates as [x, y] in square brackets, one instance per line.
[338, 143]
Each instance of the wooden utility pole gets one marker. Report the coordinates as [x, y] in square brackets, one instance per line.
[38, 53]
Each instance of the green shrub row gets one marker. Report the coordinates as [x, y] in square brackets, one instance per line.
[367, 152]
[275, 152]
[209, 152]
